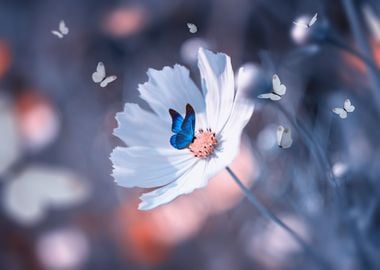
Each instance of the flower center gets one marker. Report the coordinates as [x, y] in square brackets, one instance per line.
[204, 143]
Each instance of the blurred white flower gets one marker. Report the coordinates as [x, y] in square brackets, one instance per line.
[301, 35]
[28, 196]
[308, 24]
[273, 245]
[339, 169]
[204, 142]
[189, 49]
[65, 248]
[266, 139]
[38, 120]
[249, 77]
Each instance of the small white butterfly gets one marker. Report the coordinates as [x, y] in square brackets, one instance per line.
[343, 112]
[62, 31]
[284, 137]
[278, 90]
[309, 24]
[192, 28]
[99, 76]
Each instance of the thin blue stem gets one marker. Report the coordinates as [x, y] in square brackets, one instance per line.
[271, 216]
[326, 166]
[363, 44]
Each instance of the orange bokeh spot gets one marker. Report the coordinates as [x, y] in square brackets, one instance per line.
[5, 57]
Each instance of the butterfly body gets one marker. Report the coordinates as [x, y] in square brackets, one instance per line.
[99, 76]
[278, 90]
[347, 108]
[62, 30]
[184, 128]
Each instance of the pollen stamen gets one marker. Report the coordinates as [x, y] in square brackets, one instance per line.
[204, 143]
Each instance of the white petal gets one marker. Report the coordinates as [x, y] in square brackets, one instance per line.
[229, 136]
[192, 179]
[240, 115]
[138, 127]
[217, 86]
[226, 153]
[171, 88]
[149, 167]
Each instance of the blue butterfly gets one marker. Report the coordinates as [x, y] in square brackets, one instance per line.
[183, 128]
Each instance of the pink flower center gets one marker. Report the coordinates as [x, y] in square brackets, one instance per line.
[203, 144]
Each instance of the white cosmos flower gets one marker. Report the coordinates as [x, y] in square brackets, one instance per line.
[150, 161]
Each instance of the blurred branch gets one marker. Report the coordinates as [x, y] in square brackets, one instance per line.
[271, 216]
[364, 46]
[316, 149]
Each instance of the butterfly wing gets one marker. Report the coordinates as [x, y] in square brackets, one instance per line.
[107, 80]
[63, 28]
[270, 96]
[192, 28]
[301, 25]
[58, 34]
[278, 88]
[186, 135]
[99, 74]
[313, 20]
[284, 137]
[341, 112]
[177, 120]
[279, 133]
[287, 140]
[188, 124]
[348, 106]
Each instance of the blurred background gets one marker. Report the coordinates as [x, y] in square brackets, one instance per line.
[60, 208]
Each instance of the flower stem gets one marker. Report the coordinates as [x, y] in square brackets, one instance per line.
[336, 41]
[271, 216]
[363, 45]
[326, 166]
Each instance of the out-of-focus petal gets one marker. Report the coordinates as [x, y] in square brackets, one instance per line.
[27, 197]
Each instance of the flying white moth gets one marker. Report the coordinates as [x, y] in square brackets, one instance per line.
[278, 90]
[192, 28]
[99, 76]
[62, 30]
[343, 112]
[284, 137]
[309, 24]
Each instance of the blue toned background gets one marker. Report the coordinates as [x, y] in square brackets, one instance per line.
[60, 208]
